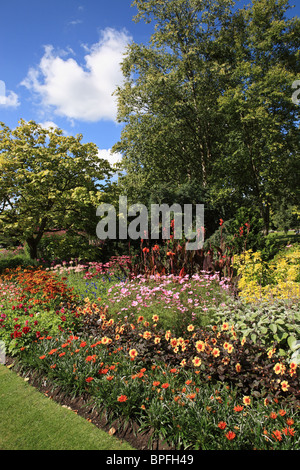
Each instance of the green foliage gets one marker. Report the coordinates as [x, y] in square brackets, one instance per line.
[209, 100]
[264, 280]
[274, 325]
[67, 246]
[48, 182]
[15, 261]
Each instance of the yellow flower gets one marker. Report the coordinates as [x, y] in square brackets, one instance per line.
[196, 361]
[284, 385]
[215, 352]
[200, 346]
[133, 353]
[247, 400]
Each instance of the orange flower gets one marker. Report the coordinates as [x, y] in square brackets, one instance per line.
[238, 367]
[290, 422]
[277, 435]
[238, 408]
[122, 398]
[230, 435]
[89, 379]
[155, 383]
[52, 351]
[166, 385]
[222, 425]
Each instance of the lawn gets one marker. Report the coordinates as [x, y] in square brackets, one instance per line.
[31, 421]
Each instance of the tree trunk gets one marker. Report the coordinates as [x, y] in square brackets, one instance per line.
[265, 213]
[32, 244]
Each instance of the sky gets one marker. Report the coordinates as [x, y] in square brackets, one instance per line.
[60, 64]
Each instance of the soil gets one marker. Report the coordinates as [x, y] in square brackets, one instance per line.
[83, 407]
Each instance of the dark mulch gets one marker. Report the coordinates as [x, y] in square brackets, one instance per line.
[83, 406]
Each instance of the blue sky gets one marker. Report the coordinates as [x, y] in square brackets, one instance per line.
[59, 63]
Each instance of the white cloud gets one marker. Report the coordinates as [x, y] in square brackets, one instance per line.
[8, 99]
[107, 154]
[81, 92]
[48, 124]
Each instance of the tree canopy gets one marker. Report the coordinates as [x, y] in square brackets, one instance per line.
[48, 181]
[209, 99]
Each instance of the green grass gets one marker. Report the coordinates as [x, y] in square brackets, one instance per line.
[31, 421]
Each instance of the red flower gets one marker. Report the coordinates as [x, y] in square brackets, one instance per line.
[222, 425]
[89, 379]
[146, 250]
[230, 435]
[122, 398]
[26, 329]
[221, 221]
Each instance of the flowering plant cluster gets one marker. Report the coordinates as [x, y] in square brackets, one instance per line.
[31, 306]
[234, 392]
[259, 280]
[136, 371]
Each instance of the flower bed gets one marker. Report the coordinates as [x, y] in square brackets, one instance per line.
[233, 392]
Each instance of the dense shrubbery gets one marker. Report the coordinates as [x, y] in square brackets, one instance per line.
[261, 280]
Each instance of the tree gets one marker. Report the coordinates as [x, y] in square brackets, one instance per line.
[48, 181]
[168, 101]
[261, 153]
[210, 100]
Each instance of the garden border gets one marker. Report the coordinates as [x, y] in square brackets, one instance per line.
[81, 405]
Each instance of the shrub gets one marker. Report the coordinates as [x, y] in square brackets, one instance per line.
[275, 325]
[261, 280]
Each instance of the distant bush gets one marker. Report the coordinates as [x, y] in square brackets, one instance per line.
[10, 263]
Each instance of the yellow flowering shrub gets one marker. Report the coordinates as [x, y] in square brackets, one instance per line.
[259, 280]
